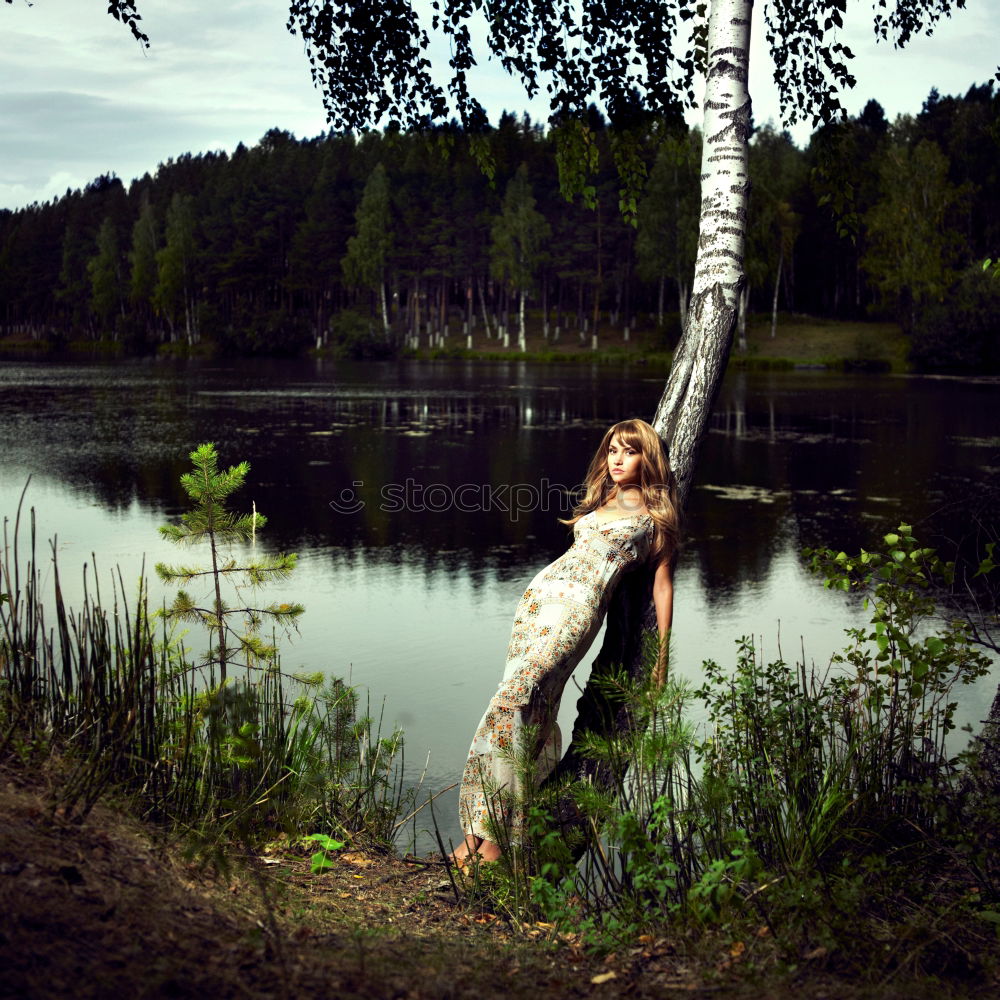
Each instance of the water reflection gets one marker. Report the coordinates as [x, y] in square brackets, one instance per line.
[414, 596]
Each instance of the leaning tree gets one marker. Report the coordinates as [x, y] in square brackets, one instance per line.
[372, 61]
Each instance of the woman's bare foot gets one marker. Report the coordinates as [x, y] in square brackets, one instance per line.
[488, 851]
[465, 850]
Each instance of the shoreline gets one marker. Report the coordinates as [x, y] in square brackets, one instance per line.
[801, 343]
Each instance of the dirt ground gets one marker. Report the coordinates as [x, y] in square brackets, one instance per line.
[106, 910]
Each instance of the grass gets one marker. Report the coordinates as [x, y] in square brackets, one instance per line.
[110, 907]
[806, 340]
[800, 341]
[125, 709]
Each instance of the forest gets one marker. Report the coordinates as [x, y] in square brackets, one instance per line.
[387, 241]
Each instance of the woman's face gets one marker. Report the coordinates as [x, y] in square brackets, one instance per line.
[624, 463]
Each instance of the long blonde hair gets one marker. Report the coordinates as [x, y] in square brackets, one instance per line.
[656, 482]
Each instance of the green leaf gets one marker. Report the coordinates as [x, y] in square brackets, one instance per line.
[320, 863]
[327, 843]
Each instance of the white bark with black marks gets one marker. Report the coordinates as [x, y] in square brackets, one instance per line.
[700, 359]
[701, 356]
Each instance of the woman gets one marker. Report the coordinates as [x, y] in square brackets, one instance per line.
[627, 519]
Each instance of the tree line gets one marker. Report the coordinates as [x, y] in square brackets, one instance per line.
[400, 239]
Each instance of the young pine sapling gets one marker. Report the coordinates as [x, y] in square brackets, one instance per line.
[210, 521]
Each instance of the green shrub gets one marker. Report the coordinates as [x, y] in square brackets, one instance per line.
[962, 333]
[358, 337]
[814, 803]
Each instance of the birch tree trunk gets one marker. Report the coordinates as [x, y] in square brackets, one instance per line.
[741, 317]
[385, 308]
[521, 337]
[482, 302]
[700, 359]
[774, 300]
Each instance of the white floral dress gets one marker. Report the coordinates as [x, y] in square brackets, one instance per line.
[559, 615]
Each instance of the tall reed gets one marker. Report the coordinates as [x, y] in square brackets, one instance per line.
[113, 695]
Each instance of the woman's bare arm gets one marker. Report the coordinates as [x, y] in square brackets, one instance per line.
[663, 602]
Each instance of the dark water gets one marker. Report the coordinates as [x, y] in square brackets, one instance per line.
[421, 497]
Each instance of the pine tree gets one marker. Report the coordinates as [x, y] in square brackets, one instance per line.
[211, 522]
[72, 293]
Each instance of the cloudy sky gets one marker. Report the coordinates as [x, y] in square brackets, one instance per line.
[79, 98]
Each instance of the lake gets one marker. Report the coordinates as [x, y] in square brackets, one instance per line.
[422, 496]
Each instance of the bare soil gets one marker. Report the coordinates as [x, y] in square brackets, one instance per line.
[109, 909]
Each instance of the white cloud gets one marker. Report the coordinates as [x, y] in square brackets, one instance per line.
[80, 97]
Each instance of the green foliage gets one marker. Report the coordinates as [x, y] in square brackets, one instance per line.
[251, 244]
[667, 237]
[774, 224]
[814, 803]
[142, 262]
[913, 241]
[376, 68]
[210, 521]
[364, 264]
[519, 234]
[320, 861]
[577, 155]
[962, 333]
[353, 335]
[173, 296]
[368, 250]
[104, 269]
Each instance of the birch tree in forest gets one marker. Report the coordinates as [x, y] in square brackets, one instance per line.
[518, 237]
[142, 261]
[372, 64]
[369, 249]
[378, 67]
[912, 250]
[174, 293]
[105, 272]
[775, 168]
[667, 237]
